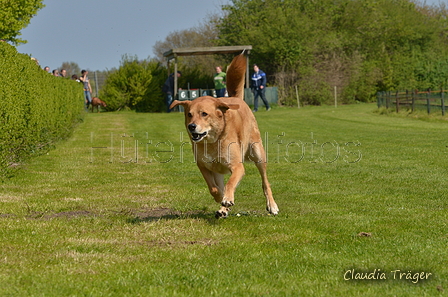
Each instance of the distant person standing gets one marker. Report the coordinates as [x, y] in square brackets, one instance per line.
[63, 73]
[220, 82]
[47, 69]
[87, 88]
[259, 88]
[168, 89]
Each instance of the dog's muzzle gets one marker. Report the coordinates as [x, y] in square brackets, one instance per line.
[195, 136]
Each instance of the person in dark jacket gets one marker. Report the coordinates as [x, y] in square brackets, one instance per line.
[168, 89]
[259, 88]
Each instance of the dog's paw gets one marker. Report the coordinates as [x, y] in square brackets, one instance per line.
[272, 209]
[227, 203]
[221, 214]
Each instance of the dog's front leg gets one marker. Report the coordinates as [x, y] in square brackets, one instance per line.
[215, 183]
[234, 179]
[228, 200]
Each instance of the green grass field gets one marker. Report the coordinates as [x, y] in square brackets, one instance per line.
[120, 209]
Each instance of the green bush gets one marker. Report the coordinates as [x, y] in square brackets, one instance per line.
[153, 101]
[127, 87]
[36, 108]
[137, 85]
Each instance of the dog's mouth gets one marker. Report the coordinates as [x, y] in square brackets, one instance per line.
[198, 137]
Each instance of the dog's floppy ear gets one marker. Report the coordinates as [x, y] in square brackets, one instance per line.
[177, 102]
[224, 106]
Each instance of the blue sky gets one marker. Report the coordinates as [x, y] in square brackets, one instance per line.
[96, 33]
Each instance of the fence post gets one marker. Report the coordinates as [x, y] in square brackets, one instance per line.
[335, 96]
[413, 100]
[406, 102]
[297, 95]
[397, 102]
[427, 100]
[387, 99]
[443, 102]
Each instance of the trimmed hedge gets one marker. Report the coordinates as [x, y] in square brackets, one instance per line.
[36, 108]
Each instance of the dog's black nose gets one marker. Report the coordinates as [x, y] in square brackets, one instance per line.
[192, 127]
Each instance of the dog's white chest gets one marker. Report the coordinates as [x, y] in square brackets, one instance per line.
[213, 160]
[218, 167]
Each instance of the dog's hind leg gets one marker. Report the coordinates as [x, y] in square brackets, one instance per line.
[258, 155]
[271, 206]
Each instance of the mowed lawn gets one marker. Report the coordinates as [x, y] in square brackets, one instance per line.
[120, 209]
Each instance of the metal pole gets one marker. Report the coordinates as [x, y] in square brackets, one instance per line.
[247, 70]
[96, 84]
[175, 77]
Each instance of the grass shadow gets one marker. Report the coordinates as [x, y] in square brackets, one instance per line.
[154, 215]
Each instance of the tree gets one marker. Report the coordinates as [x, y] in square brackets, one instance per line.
[16, 15]
[127, 86]
[153, 100]
[203, 35]
[71, 67]
[360, 46]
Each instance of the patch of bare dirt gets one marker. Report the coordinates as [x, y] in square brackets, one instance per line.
[365, 234]
[148, 215]
[179, 243]
[71, 214]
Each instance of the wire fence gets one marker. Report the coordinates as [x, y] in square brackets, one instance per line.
[97, 81]
[432, 101]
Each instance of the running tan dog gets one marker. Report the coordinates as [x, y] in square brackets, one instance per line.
[96, 102]
[224, 133]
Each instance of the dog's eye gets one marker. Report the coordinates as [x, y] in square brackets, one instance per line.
[204, 114]
[190, 115]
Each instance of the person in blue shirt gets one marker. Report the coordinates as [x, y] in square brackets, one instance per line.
[259, 88]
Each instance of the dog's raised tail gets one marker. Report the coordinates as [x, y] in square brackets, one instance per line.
[235, 76]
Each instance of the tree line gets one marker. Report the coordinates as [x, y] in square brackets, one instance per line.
[359, 46]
